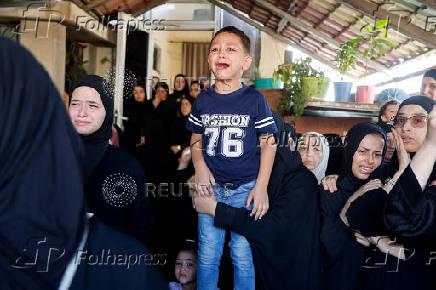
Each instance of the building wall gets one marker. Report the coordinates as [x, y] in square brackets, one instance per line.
[171, 45]
[94, 54]
[48, 46]
[272, 54]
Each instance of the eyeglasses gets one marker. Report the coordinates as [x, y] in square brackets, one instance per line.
[417, 121]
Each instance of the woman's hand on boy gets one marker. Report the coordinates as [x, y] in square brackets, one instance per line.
[204, 204]
[259, 195]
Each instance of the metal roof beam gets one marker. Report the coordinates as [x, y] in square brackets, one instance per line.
[412, 31]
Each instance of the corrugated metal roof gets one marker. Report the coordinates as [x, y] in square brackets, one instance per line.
[336, 21]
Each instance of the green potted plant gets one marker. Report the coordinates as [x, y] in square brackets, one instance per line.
[346, 58]
[301, 83]
[349, 53]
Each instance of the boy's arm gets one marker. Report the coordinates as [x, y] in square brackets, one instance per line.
[259, 193]
[203, 177]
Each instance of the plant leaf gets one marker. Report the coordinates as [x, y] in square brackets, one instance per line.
[385, 42]
[382, 23]
[355, 40]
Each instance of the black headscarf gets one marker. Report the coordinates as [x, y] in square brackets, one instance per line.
[162, 85]
[97, 142]
[352, 141]
[425, 102]
[290, 160]
[430, 74]
[191, 100]
[41, 195]
[184, 92]
[103, 88]
[386, 127]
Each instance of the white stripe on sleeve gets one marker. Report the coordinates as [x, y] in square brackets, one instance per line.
[263, 120]
[264, 125]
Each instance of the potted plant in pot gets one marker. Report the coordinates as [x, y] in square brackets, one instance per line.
[349, 53]
[264, 83]
[346, 58]
[301, 83]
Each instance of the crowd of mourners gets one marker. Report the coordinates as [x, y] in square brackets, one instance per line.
[86, 205]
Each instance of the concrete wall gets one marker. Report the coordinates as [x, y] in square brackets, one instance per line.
[49, 48]
[170, 62]
[171, 46]
[94, 54]
[272, 54]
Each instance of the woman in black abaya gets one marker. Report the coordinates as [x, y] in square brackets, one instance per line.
[411, 208]
[114, 180]
[403, 264]
[134, 132]
[179, 135]
[161, 112]
[285, 242]
[365, 146]
[43, 224]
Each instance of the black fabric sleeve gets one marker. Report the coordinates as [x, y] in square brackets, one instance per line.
[297, 203]
[410, 211]
[335, 235]
[365, 214]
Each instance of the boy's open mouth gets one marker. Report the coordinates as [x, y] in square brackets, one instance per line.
[221, 66]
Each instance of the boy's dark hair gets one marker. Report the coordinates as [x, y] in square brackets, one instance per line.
[384, 108]
[198, 83]
[430, 74]
[231, 29]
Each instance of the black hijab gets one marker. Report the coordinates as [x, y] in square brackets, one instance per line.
[285, 160]
[103, 88]
[352, 141]
[97, 142]
[184, 92]
[162, 85]
[41, 196]
[386, 127]
[191, 100]
[425, 102]
[430, 74]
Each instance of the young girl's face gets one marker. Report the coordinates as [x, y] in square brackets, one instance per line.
[186, 268]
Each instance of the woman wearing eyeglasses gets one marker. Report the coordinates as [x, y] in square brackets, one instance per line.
[390, 216]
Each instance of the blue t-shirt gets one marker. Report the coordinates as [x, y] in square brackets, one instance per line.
[231, 125]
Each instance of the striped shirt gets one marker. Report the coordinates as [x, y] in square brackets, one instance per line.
[230, 125]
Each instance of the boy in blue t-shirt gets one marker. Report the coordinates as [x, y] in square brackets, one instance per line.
[234, 125]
